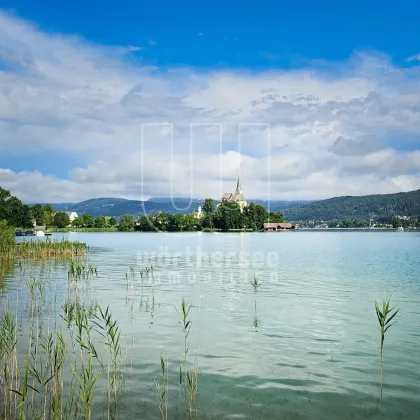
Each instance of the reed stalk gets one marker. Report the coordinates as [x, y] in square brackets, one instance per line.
[162, 390]
[385, 315]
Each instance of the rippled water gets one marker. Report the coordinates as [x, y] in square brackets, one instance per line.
[304, 346]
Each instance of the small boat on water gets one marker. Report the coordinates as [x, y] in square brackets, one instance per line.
[29, 233]
[19, 232]
[400, 229]
[39, 233]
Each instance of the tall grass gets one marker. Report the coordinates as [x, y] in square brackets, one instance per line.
[58, 376]
[35, 249]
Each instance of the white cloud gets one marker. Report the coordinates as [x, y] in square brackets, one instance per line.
[415, 57]
[351, 129]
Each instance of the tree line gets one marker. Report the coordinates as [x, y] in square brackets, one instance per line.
[226, 216]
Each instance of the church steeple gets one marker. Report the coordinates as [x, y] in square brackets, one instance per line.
[238, 187]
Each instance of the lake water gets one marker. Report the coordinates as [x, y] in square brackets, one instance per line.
[305, 345]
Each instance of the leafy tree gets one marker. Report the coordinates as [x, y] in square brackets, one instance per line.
[255, 216]
[275, 217]
[228, 216]
[38, 214]
[88, 221]
[15, 208]
[48, 218]
[61, 220]
[208, 206]
[100, 222]
[145, 224]
[78, 222]
[112, 221]
[126, 223]
[5, 197]
[26, 217]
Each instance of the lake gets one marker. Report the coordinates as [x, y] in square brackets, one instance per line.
[304, 345]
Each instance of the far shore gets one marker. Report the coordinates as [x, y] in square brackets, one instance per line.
[108, 230]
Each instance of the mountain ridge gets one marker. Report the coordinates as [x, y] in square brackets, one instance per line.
[365, 207]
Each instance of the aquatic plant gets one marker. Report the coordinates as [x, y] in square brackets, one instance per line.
[255, 283]
[162, 390]
[80, 270]
[385, 316]
[192, 386]
[108, 329]
[36, 249]
[185, 324]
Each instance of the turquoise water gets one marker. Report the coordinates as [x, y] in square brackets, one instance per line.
[304, 346]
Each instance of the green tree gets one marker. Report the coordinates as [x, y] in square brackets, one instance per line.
[275, 217]
[100, 222]
[61, 220]
[126, 223]
[48, 218]
[5, 197]
[208, 206]
[15, 209]
[26, 217]
[145, 224]
[228, 216]
[88, 220]
[48, 215]
[78, 222]
[112, 221]
[38, 214]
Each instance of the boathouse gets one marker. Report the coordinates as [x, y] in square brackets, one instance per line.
[277, 227]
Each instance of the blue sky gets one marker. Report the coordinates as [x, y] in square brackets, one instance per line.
[337, 83]
[236, 33]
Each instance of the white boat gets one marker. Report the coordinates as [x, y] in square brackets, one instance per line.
[400, 229]
[39, 233]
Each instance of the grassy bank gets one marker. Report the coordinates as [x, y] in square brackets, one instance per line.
[10, 249]
[74, 229]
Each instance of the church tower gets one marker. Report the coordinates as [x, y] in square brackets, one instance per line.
[238, 187]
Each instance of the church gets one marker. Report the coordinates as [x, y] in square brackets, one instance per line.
[237, 197]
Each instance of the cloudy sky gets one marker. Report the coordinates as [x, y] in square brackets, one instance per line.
[134, 101]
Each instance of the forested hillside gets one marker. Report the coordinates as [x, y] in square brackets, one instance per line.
[358, 208]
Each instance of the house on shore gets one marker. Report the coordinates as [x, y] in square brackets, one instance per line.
[277, 227]
[72, 215]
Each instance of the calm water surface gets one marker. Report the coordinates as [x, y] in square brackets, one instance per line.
[304, 346]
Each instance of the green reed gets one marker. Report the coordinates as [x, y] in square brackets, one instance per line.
[107, 327]
[185, 324]
[81, 270]
[385, 315]
[162, 390]
[8, 364]
[192, 386]
[91, 348]
[255, 283]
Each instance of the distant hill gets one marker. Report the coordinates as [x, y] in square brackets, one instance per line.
[110, 206]
[359, 208]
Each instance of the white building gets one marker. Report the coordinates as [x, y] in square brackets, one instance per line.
[198, 214]
[72, 215]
